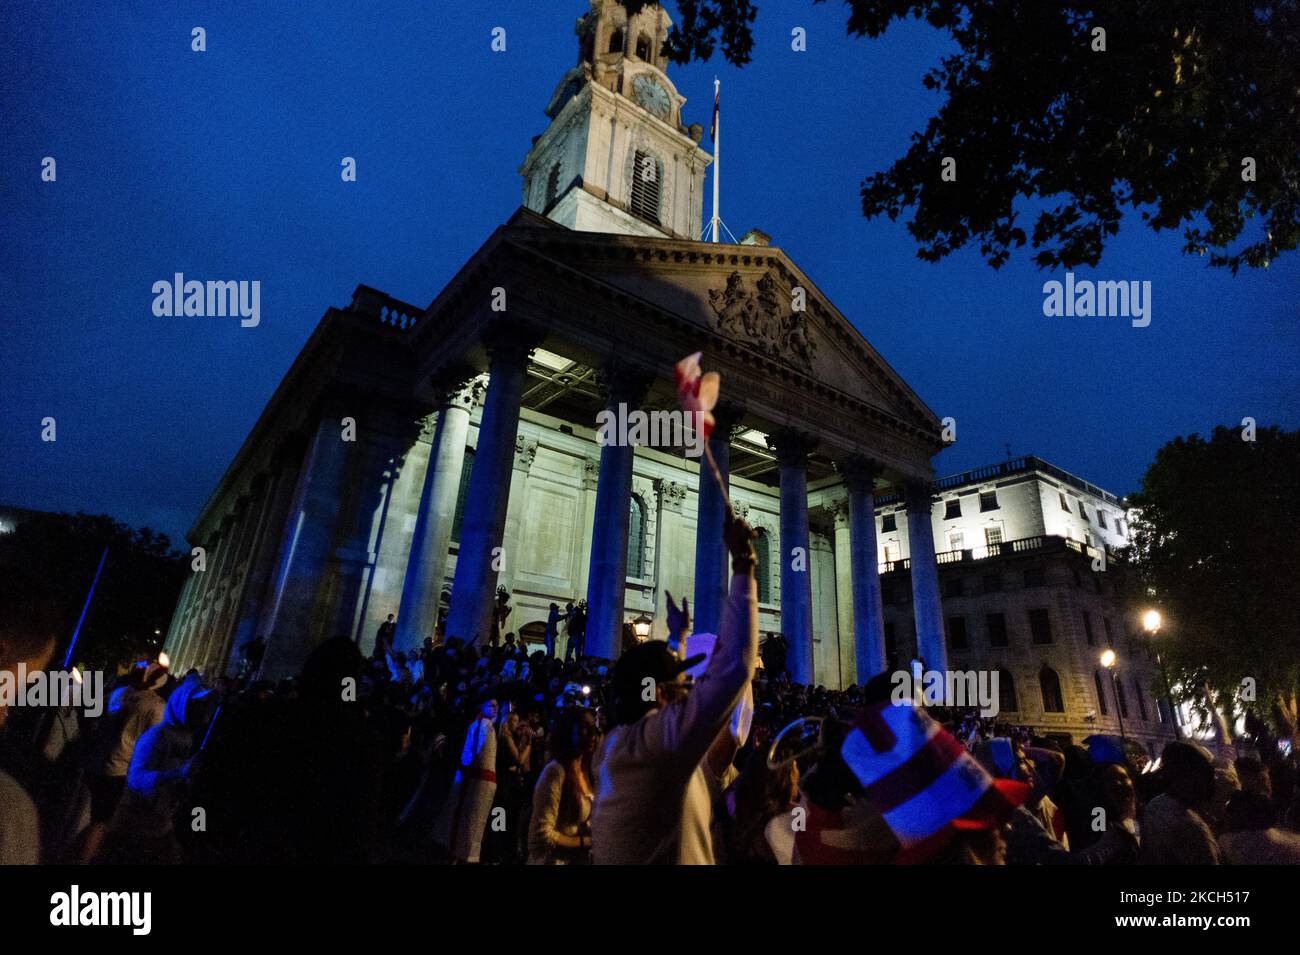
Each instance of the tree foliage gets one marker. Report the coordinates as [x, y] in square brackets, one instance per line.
[1160, 123]
[47, 565]
[1218, 554]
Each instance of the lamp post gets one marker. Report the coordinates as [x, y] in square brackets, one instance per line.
[1151, 621]
[1108, 661]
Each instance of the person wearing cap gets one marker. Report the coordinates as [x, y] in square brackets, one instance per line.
[652, 802]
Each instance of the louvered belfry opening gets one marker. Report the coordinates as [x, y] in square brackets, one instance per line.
[647, 178]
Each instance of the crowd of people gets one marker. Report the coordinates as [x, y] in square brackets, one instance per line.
[682, 751]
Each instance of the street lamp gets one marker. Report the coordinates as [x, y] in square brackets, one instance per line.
[1108, 661]
[1151, 621]
[641, 628]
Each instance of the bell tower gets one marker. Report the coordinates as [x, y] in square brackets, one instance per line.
[616, 156]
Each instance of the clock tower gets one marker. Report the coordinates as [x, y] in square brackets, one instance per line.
[616, 157]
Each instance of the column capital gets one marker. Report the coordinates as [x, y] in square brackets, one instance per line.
[511, 342]
[590, 473]
[457, 385]
[672, 493]
[839, 511]
[525, 452]
[919, 495]
[623, 382]
[727, 416]
[792, 447]
[859, 472]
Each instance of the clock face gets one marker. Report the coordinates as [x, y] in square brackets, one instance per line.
[652, 96]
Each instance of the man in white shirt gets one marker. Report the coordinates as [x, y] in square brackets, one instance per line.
[653, 803]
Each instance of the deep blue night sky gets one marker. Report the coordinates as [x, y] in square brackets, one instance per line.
[225, 165]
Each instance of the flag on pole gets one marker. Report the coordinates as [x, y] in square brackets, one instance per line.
[713, 126]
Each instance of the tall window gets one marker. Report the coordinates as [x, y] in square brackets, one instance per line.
[1101, 692]
[1007, 701]
[1040, 625]
[957, 633]
[552, 185]
[643, 48]
[459, 520]
[636, 538]
[1083, 512]
[1121, 698]
[992, 535]
[956, 540]
[616, 42]
[1101, 518]
[1142, 700]
[1065, 505]
[996, 624]
[647, 178]
[952, 509]
[1087, 629]
[888, 524]
[988, 500]
[1050, 684]
[763, 572]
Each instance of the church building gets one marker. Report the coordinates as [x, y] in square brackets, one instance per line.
[417, 459]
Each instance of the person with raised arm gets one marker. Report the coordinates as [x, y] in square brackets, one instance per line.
[652, 803]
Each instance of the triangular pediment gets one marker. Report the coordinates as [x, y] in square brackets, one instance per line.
[754, 297]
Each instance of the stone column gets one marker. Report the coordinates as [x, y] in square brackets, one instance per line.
[712, 566]
[926, 604]
[262, 561]
[304, 555]
[607, 582]
[474, 590]
[868, 614]
[844, 590]
[417, 614]
[796, 581]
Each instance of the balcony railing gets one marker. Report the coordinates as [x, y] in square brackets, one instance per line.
[1005, 469]
[1024, 545]
[388, 310]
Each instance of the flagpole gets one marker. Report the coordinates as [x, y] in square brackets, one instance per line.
[717, 128]
[67, 660]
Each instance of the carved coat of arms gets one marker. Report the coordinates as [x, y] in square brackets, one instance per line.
[762, 318]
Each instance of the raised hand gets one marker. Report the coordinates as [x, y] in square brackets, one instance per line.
[739, 538]
[679, 621]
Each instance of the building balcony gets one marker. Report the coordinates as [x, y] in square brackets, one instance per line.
[1042, 544]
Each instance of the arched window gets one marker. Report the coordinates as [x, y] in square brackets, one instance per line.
[643, 48]
[647, 179]
[636, 538]
[459, 519]
[763, 572]
[1142, 700]
[1101, 693]
[1050, 684]
[1007, 702]
[616, 41]
[552, 186]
